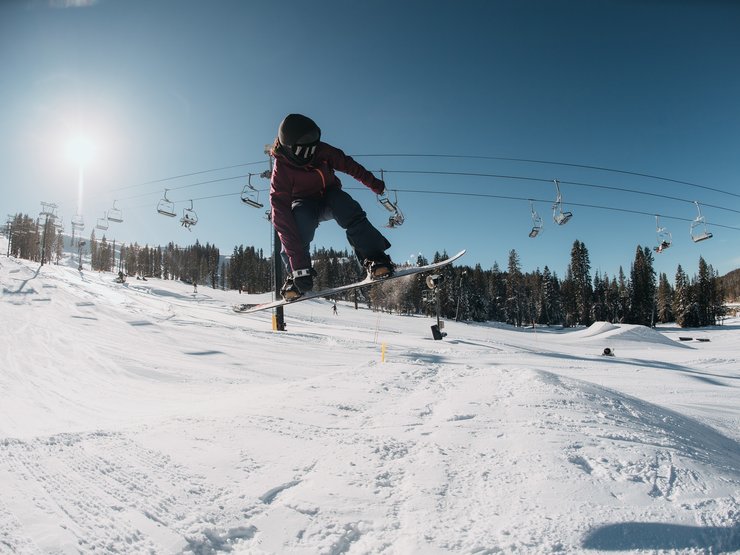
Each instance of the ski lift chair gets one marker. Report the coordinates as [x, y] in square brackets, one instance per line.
[115, 214]
[664, 236]
[396, 218]
[102, 222]
[251, 196]
[537, 224]
[558, 216]
[78, 223]
[189, 217]
[166, 207]
[698, 229]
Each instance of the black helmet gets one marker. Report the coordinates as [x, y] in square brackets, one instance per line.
[298, 136]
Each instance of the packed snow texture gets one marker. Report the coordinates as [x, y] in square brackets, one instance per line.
[147, 418]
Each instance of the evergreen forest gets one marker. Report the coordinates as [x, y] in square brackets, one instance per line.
[499, 294]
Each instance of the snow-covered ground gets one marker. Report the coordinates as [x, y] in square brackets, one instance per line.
[146, 418]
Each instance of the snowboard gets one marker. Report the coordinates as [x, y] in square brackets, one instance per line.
[399, 273]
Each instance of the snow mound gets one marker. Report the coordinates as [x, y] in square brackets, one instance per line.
[597, 328]
[631, 333]
[643, 334]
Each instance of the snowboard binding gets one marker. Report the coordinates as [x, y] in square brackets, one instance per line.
[289, 291]
[379, 269]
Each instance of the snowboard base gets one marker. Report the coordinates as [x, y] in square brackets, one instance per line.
[248, 308]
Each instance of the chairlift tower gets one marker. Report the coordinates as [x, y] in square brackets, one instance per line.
[48, 209]
[9, 233]
[278, 321]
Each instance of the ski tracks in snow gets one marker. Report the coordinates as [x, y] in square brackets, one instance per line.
[403, 462]
[417, 481]
[387, 459]
[111, 495]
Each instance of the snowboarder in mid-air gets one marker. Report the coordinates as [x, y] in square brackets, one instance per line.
[304, 191]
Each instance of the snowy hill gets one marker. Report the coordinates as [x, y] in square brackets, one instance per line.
[146, 418]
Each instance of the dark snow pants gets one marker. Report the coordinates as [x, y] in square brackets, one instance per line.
[365, 239]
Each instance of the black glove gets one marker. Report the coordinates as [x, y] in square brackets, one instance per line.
[303, 279]
[378, 187]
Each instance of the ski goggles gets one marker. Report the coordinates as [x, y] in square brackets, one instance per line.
[304, 152]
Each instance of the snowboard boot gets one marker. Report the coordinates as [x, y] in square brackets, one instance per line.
[380, 268]
[289, 291]
[298, 283]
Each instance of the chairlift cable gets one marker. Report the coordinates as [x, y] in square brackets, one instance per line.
[485, 195]
[544, 180]
[186, 175]
[527, 199]
[548, 162]
[157, 192]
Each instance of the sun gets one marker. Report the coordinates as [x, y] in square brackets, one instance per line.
[80, 149]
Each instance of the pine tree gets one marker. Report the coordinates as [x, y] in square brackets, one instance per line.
[59, 246]
[664, 300]
[569, 302]
[682, 302]
[709, 296]
[704, 293]
[496, 292]
[642, 288]
[473, 291]
[599, 310]
[717, 297]
[24, 238]
[551, 307]
[93, 250]
[514, 290]
[580, 277]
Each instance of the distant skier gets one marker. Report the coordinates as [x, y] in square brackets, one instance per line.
[304, 191]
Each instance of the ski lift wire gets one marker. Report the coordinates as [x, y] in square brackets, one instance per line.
[471, 174]
[171, 178]
[582, 205]
[544, 180]
[548, 162]
[488, 196]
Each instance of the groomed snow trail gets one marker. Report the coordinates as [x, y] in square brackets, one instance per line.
[145, 418]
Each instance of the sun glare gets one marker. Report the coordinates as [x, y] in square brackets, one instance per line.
[80, 150]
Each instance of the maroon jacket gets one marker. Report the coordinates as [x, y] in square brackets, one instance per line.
[290, 182]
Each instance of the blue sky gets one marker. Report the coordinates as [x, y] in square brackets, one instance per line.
[164, 88]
